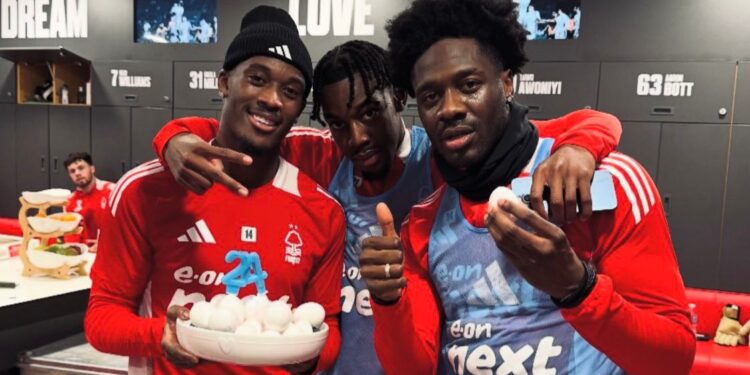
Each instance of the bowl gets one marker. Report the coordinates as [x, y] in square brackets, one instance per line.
[250, 350]
[52, 196]
[53, 223]
[46, 259]
[43, 224]
[66, 225]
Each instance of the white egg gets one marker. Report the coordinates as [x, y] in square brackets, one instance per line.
[250, 327]
[255, 309]
[310, 312]
[217, 299]
[304, 327]
[270, 333]
[292, 330]
[200, 314]
[277, 316]
[223, 320]
[503, 193]
[233, 304]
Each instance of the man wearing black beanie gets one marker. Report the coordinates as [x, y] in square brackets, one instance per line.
[164, 247]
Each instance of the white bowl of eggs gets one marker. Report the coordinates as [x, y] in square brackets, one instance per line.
[253, 331]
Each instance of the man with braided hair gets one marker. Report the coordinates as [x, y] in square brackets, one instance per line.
[490, 286]
[368, 156]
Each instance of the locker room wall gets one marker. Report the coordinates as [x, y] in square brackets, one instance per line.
[695, 38]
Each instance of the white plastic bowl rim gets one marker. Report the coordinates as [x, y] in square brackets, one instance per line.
[67, 226]
[46, 196]
[250, 350]
[46, 259]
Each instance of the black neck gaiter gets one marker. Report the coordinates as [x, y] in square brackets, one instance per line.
[504, 162]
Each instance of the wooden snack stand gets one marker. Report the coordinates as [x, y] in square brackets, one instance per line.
[30, 269]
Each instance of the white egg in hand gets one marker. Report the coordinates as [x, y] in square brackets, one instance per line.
[501, 193]
[277, 316]
[223, 320]
[200, 314]
[310, 312]
[233, 304]
[250, 327]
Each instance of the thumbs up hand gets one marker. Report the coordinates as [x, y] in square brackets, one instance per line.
[381, 261]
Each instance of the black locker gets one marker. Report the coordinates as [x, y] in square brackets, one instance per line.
[110, 141]
[692, 162]
[699, 92]
[8, 194]
[180, 113]
[7, 82]
[735, 257]
[32, 148]
[145, 124]
[196, 85]
[132, 83]
[554, 89]
[641, 141]
[70, 131]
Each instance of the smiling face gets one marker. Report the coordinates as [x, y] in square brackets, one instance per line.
[263, 98]
[461, 91]
[369, 132]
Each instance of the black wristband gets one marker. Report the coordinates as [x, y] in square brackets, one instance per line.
[584, 289]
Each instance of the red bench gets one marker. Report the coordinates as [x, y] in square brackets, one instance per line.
[711, 358]
[10, 226]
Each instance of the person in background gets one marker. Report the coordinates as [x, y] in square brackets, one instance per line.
[90, 196]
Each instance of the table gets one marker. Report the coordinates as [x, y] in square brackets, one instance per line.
[39, 310]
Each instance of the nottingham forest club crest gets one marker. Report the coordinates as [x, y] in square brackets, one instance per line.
[293, 248]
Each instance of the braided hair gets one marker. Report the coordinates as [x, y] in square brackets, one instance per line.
[343, 62]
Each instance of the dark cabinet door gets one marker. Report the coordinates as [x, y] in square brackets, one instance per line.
[196, 85]
[641, 141]
[692, 165]
[7, 82]
[110, 141]
[32, 148]
[132, 83]
[735, 255]
[70, 131]
[553, 89]
[180, 113]
[8, 195]
[697, 92]
[146, 123]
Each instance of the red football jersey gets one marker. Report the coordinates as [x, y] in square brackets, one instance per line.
[162, 245]
[90, 205]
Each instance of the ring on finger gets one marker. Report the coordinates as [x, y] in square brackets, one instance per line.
[387, 270]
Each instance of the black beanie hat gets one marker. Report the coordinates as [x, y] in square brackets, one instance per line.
[270, 31]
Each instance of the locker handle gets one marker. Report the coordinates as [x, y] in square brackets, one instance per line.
[54, 164]
[662, 111]
[130, 97]
[667, 203]
[535, 108]
[43, 163]
[217, 100]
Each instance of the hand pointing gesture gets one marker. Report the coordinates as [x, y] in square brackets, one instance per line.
[381, 261]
